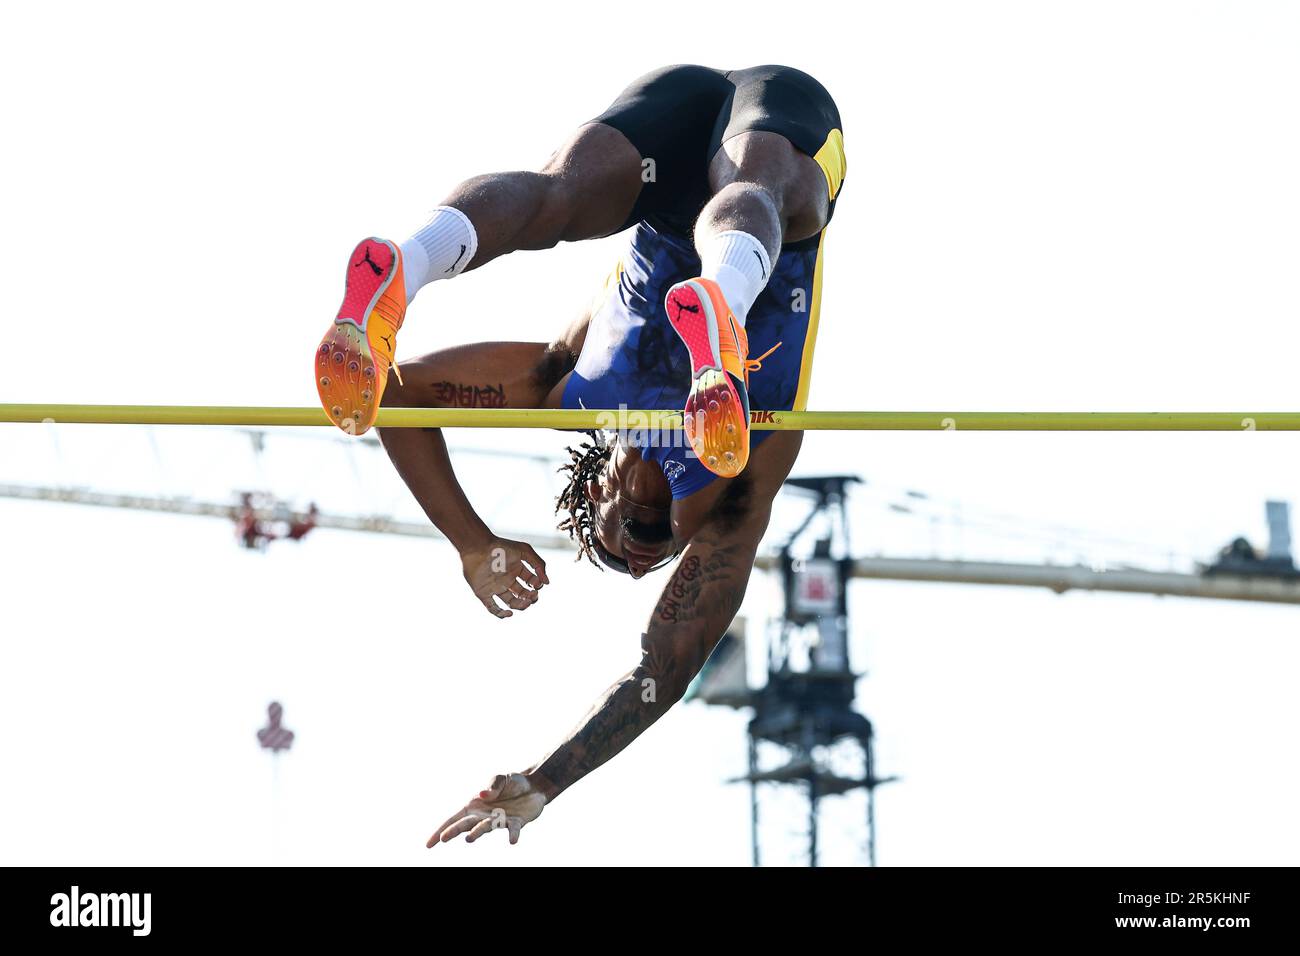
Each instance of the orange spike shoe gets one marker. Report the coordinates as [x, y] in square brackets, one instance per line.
[716, 417]
[354, 357]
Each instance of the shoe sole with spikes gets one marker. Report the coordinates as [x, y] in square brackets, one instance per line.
[716, 416]
[353, 359]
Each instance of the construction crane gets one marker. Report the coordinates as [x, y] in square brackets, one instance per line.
[805, 730]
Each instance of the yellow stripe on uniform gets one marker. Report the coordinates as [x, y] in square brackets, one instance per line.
[833, 163]
[810, 338]
[831, 159]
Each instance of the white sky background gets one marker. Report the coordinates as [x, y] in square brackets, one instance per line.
[1048, 206]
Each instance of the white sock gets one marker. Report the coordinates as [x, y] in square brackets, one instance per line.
[739, 264]
[441, 250]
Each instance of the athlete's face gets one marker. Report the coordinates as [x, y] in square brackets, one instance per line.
[632, 535]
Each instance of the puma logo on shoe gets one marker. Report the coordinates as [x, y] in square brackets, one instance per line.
[370, 262]
[683, 307]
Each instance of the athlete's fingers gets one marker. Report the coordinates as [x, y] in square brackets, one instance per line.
[518, 572]
[497, 611]
[446, 826]
[494, 609]
[520, 600]
[467, 822]
[511, 599]
[522, 597]
[515, 824]
[535, 559]
[529, 577]
[483, 827]
[521, 587]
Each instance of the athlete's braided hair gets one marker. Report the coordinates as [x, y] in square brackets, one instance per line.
[586, 462]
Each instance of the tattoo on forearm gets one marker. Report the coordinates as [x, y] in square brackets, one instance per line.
[616, 719]
[462, 395]
[708, 590]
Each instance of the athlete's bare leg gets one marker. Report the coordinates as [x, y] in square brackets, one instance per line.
[586, 190]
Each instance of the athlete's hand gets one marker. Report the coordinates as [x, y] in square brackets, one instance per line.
[510, 571]
[508, 803]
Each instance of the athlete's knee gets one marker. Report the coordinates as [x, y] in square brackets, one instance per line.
[750, 206]
[767, 194]
[770, 168]
[767, 168]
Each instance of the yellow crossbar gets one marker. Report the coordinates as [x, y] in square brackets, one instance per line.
[634, 419]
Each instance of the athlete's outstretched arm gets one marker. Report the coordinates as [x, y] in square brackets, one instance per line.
[693, 613]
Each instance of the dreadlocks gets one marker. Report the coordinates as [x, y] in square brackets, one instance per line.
[586, 462]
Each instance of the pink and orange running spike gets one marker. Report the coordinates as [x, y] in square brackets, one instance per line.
[353, 359]
[716, 417]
